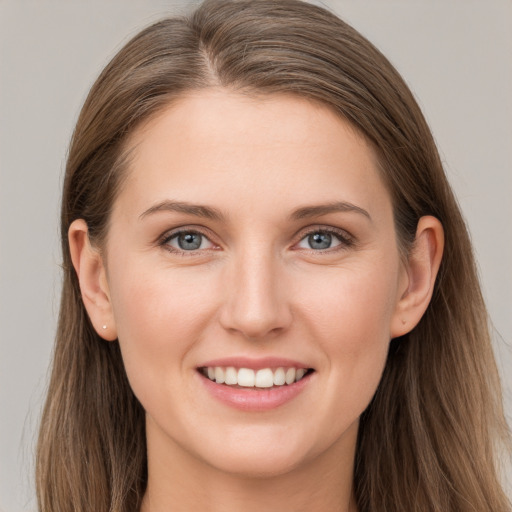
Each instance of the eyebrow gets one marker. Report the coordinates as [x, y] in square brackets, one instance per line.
[208, 212]
[324, 209]
[183, 207]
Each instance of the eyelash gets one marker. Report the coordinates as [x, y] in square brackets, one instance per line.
[346, 240]
[167, 237]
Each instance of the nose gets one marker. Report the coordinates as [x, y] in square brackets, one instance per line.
[256, 304]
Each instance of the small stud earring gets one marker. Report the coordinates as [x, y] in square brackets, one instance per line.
[104, 327]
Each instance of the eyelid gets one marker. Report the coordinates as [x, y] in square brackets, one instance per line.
[346, 239]
[164, 239]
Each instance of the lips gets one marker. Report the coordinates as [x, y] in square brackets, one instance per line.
[255, 384]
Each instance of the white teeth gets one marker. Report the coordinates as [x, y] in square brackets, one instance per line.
[279, 377]
[219, 375]
[290, 375]
[231, 376]
[264, 378]
[248, 378]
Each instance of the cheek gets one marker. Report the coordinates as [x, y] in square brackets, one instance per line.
[161, 302]
[160, 315]
[353, 306]
[349, 317]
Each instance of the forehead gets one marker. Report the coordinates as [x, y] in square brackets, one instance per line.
[213, 143]
[212, 114]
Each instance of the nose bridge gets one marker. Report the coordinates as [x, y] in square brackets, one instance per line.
[256, 303]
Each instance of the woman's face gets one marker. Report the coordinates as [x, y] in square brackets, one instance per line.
[252, 233]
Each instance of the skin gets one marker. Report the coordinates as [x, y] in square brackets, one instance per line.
[255, 288]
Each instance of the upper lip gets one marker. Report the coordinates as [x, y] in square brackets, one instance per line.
[254, 363]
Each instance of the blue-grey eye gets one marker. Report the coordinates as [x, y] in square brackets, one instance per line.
[319, 240]
[189, 241]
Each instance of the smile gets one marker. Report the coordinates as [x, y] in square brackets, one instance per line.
[255, 385]
[263, 378]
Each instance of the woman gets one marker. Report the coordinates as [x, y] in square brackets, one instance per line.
[269, 296]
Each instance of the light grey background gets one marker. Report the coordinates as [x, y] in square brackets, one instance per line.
[456, 56]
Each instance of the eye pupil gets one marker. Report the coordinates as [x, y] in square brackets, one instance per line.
[189, 241]
[320, 240]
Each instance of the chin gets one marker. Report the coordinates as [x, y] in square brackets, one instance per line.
[260, 467]
[261, 456]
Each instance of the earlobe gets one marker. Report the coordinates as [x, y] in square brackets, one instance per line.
[421, 271]
[92, 277]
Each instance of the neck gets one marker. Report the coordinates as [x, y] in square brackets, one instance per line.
[179, 481]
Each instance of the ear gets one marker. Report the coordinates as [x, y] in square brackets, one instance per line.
[90, 269]
[420, 274]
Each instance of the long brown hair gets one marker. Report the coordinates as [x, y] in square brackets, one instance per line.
[428, 440]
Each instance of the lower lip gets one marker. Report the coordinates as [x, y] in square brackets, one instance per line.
[255, 400]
